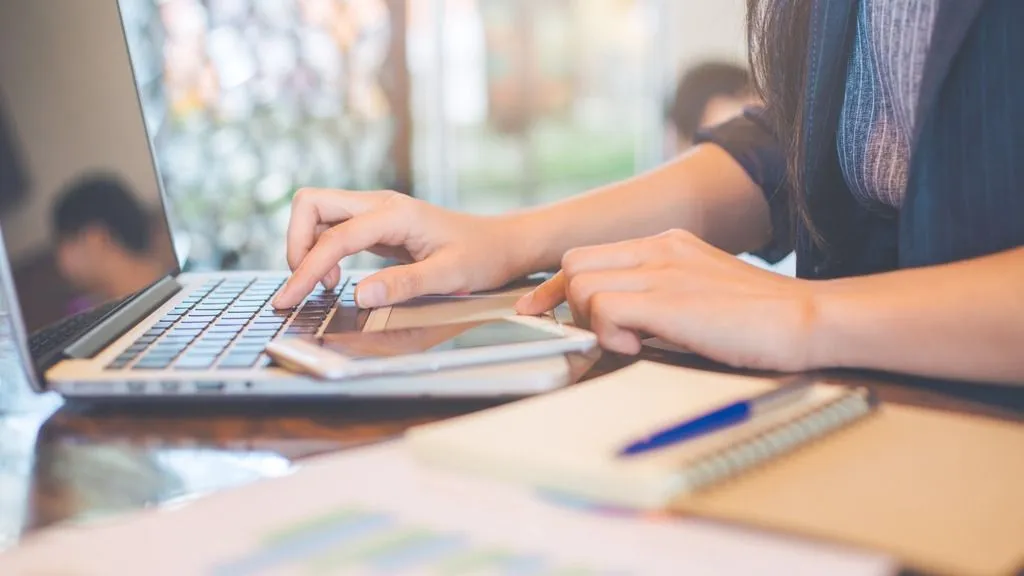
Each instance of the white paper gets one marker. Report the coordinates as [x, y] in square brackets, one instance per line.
[377, 511]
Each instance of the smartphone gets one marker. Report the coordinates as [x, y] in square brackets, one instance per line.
[348, 355]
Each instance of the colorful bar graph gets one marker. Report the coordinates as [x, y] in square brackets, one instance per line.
[350, 539]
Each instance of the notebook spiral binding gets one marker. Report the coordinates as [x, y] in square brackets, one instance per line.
[778, 440]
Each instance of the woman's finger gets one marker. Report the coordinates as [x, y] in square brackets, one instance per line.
[621, 319]
[396, 284]
[314, 207]
[331, 280]
[543, 298]
[348, 238]
[618, 255]
[582, 288]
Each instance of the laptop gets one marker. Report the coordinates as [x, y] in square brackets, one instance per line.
[99, 305]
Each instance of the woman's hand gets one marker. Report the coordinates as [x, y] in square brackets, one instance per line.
[443, 251]
[684, 291]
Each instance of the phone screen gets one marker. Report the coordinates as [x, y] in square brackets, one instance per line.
[438, 338]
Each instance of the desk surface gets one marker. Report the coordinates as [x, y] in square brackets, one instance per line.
[62, 462]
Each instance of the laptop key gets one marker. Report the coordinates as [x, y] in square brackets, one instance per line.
[275, 322]
[219, 336]
[121, 361]
[239, 360]
[214, 348]
[220, 329]
[209, 344]
[250, 347]
[301, 321]
[305, 322]
[253, 295]
[199, 363]
[157, 361]
[190, 325]
[255, 341]
[231, 322]
[199, 353]
[154, 364]
[168, 349]
[234, 365]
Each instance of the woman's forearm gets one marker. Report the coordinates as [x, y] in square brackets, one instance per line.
[960, 321]
[704, 191]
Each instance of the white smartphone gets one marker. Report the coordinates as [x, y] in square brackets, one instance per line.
[349, 355]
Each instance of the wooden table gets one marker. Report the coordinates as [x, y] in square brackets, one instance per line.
[61, 462]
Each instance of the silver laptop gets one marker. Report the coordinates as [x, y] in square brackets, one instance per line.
[91, 279]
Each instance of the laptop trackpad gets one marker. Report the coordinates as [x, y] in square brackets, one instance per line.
[444, 310]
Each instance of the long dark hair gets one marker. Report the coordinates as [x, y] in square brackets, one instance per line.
[777, 38]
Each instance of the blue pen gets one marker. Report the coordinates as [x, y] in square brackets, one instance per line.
[729, 415]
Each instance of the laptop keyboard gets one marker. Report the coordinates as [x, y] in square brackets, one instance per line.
[59, 334]
[226, 323]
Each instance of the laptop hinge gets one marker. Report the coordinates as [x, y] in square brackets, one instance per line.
[110, 329]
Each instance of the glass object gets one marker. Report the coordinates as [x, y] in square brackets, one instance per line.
[525, 102]
[481, 105]
[247, 101]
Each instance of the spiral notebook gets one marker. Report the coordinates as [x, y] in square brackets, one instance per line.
[937, 490]
[568, 441]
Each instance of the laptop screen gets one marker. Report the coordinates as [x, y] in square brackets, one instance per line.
[80, 205]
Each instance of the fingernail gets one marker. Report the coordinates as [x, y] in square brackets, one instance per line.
[370, 295]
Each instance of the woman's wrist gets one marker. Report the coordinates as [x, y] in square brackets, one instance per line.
[841, 313]
[522, 242]
[531, 244]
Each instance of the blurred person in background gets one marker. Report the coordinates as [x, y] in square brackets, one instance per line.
[706, 95]
[12, 170]
[890, 160]
[104, 241]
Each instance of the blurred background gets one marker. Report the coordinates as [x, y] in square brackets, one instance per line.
[481, 105]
